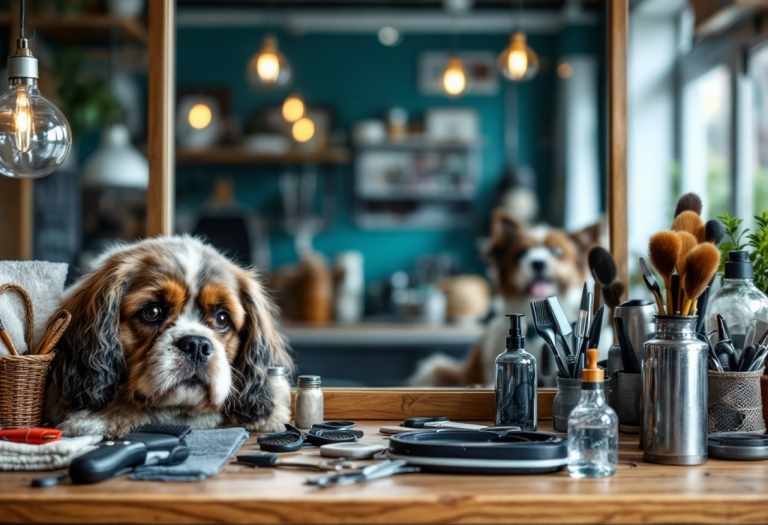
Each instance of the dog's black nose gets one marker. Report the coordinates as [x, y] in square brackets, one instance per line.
[539, 265]
[197, 348]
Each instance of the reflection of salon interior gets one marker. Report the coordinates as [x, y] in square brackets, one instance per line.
[355, 151]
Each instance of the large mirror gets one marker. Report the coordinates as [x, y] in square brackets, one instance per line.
[396, 189]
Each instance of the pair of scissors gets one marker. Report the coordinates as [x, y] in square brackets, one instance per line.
[378, 470]
[320, 434]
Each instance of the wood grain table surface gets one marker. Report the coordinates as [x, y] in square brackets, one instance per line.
[718, 492]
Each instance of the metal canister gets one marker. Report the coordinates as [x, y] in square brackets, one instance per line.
[674, 403]
[639, 318]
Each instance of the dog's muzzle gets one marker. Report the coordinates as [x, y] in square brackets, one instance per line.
[197, 349]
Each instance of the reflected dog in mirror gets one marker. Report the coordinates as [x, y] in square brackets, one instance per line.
[528, 263]
[168, 330]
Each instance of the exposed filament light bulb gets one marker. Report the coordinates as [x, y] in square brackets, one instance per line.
[518, 62]
[454, 79]
[269, 68]
[23, 120]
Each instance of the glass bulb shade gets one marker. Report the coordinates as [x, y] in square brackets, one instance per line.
[454, 79]
[518, 62]
[269, 68]
[35, 137]
[200, 116]
[293, 108]
[303, 130]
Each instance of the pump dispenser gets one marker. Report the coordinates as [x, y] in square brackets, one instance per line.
[516, 380]
[593, 428]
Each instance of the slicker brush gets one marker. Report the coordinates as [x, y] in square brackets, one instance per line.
[687, 221]
[664, 249]
[689, 202]
[700, 267]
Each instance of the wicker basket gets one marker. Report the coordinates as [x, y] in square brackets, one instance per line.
[22, 377]
[22, 389]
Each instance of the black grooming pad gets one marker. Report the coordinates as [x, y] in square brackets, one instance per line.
[481, 452]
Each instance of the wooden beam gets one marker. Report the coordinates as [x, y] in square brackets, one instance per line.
[15, 194]
[160, 146]
[618, 24]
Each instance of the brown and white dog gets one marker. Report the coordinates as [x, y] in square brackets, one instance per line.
[527, 263]
[167, 330]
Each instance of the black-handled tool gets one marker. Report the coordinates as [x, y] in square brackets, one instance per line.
[628, 357]
[270, 460]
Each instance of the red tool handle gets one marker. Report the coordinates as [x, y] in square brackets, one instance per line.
[32, 436]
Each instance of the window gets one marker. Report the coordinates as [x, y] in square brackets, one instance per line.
[758, 132]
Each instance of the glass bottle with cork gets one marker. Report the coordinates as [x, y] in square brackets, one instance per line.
[593, 428]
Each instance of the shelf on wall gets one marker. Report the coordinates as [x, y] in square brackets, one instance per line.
[87, 28]
[233, 156]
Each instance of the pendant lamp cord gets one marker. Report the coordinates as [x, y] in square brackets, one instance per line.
[518, 25]
[21, 18]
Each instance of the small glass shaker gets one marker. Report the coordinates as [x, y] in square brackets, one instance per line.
[309, 402]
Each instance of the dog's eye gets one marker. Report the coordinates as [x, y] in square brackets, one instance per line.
[221, 320]
[557, 252]
[151, 313]
[519, 255]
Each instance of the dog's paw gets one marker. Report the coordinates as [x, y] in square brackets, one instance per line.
[85, 423]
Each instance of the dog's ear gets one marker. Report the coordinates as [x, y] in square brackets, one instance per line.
[588, 237]
[504, 231]
[89, 362]
[261, 346]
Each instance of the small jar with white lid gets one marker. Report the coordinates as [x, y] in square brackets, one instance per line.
[309, 402]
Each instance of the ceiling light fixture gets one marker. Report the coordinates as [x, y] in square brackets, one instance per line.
[269, 68]
[518, 62]
[293, 108]
[454, 78]
[35, 136]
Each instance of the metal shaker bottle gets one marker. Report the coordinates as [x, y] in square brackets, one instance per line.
[674, 376]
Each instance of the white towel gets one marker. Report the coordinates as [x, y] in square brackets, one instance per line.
[44, 282]
[51, 456]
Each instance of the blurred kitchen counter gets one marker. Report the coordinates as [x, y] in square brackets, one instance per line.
[374, 354]
[382, 334]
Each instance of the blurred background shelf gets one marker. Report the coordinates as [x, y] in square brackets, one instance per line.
[237, 156]
[90, 28]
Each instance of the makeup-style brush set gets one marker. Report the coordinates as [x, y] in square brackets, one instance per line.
[686, 257]
[553, 327]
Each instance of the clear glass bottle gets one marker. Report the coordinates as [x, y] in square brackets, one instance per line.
[744, 307]
[516, 381]
[593, 428]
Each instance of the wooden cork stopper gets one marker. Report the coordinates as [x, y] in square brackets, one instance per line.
[592, 373]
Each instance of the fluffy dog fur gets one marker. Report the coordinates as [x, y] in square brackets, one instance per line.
[527, 263]
[123, 362]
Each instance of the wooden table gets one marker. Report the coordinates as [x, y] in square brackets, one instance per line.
[717, 492]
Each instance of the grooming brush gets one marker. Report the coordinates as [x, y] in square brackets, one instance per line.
[687, 221]
[603, 269]
[563, 327]
[700, 266]
[687, 243]
[664, 249]
[652, 285]
[612, 297]
[544, 324]
[714, 232]
[582, 325]
[689, 202]
[7, 340]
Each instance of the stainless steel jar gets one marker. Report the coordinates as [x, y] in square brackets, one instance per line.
[309, 402]
[674, 401]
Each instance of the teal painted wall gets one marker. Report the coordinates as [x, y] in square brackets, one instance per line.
[359, 78]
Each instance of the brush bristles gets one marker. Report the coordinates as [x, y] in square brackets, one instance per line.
[687, 243]
[700, 266]
[602, 265]
[689, 202]
[612, 293]
[714, 232]
[687, 221]
[664, 249]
